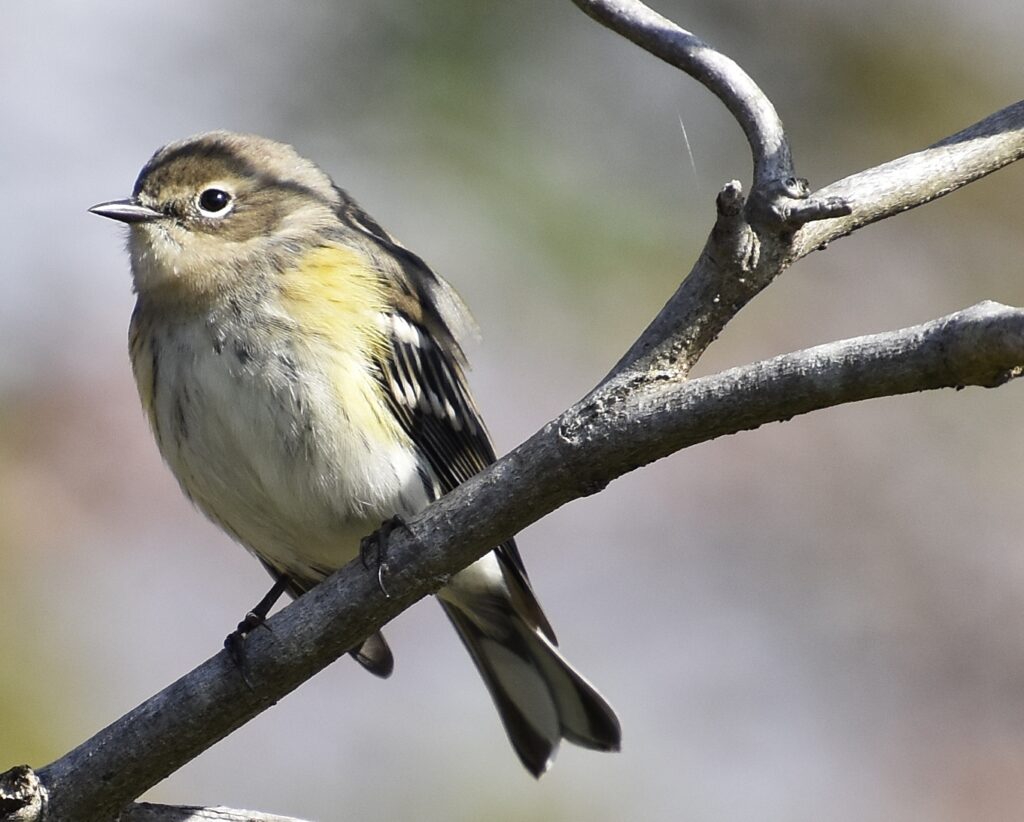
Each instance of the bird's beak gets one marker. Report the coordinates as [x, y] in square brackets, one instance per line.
[127, 211]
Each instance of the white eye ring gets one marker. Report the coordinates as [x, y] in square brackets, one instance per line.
[214, 202]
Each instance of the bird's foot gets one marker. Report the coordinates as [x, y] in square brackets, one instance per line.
[234, 642]
[374, 548]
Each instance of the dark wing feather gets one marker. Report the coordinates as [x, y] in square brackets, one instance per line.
[427, 392]
[423, 376]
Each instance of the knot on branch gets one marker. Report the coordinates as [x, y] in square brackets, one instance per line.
[734, 242]
[729, 201]
[1004, 377]
[982, 345]
[573, 427]
[787, 204]
[21, 795]
[796, 214]
[580, 425]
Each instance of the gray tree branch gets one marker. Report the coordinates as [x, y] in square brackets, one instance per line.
[595, 441]
[145, 812]
[742, 257]
[919, 178]
[22, 799]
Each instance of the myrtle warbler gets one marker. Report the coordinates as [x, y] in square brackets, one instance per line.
[303, 377]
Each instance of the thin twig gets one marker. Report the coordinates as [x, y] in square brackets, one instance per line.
[721, 75]
[919, 178]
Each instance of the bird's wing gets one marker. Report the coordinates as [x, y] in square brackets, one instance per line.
[422, 370]
[427, 392]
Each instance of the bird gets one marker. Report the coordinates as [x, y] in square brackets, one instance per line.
[303, 376]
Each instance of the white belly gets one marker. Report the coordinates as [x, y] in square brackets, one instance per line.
[275, 458]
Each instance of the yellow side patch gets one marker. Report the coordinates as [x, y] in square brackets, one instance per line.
[338, 299]
[335, 294]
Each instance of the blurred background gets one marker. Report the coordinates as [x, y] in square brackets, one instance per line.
[816, 620]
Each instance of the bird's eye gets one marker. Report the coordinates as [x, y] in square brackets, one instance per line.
[214, 202]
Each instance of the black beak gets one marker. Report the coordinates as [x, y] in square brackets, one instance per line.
[127, 211]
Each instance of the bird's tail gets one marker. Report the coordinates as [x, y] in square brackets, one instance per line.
[541, 699]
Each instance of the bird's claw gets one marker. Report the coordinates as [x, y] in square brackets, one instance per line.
[375, 546]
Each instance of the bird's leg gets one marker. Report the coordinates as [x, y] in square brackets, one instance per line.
[376, 546]
[253, 620]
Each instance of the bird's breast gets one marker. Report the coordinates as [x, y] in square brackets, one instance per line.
[283, 439]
